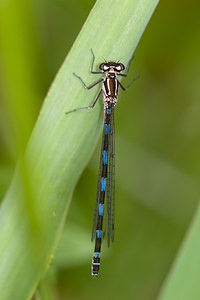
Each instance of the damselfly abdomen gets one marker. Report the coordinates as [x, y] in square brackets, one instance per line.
[106, 179]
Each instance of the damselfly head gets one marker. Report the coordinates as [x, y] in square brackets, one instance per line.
[112, 67]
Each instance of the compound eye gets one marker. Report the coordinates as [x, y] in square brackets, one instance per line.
[103, 67]
[118, 68]
[106, 68]
[122, 67]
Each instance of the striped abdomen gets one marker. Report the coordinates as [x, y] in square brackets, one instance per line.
[102, 182]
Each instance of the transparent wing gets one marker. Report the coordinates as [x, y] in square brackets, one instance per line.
[110, 194]
[98, 191]
[109, 200]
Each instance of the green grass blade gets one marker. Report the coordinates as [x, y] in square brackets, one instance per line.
[183, 280]
[36, 203]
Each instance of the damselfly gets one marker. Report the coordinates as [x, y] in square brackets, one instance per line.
[106, 179]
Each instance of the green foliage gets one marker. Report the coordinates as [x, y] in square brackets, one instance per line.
[35, 205]
[157, 150]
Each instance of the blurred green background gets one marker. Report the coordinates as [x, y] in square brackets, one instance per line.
[157, 143]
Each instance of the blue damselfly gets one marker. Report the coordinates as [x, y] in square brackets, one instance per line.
[106, 179]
